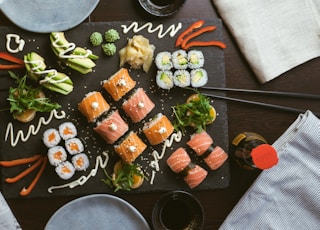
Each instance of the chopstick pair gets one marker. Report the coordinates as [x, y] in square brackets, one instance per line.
[273, 93]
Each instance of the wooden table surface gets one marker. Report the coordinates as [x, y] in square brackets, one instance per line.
[34, 213]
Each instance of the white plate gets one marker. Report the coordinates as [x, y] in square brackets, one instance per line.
[45, 16]
[99, 211]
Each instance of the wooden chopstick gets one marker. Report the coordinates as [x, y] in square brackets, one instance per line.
[272, 106]
[275, 93]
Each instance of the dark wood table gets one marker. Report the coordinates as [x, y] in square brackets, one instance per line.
[34, 213]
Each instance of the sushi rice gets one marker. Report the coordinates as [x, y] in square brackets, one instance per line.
[164, 60]
[67, 130]
[199, 77]
[164, 79]
[180, 59]
[80, 162]
[56, 155]
[65, 170]
[74, 146]
[51, 137]
[181, 78]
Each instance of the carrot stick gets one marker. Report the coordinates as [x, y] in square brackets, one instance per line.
[21, 161]
[205, 43]
[197, 33]
[28, 190]
[11, 58]
[193, 26]
[25, 172]
[13, 66]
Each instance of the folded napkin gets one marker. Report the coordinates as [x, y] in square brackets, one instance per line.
[274, 35]
[286, 196]
[7, 219]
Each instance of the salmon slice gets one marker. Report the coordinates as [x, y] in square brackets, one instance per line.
[200, 142]
[112, 128]
[178, 160]
[138, 105]
[130, 148]
[158, 129]
[93, 105]
[195, 176]
[216, 158]
[119, 84]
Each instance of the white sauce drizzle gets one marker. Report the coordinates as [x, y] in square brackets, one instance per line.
[167, 144]
[141, 105]
[172, 30]
[83, 179]
[32, 129]
[113, 127]
[132, 148]
[18, 41]
[94, 105]
[162, 130]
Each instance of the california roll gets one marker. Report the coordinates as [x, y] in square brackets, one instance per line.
[180, 59]
[181, 78]
[164, 60]
[195, 59]
[164, 79]
[199, 77]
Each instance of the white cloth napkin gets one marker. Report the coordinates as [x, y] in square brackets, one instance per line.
[7, 219]
[274, 35]
[286, 196]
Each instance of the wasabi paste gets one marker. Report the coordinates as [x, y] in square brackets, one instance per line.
[111, 35]
[109, 49]
[96, 38]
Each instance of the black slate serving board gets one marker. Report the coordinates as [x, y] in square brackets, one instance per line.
[165, 179]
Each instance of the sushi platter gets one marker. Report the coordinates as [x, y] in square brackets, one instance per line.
[96, 147]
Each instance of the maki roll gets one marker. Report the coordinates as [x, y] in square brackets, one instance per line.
[67, 130]
[195, 59]
[181, 78]
[74, 146]
[56, 155]
[138, 105]
[65, 170]
[199, 77]
[195, 175]
[93, 105]
[130, 148]
[180, 59]
[178, 160]
[80, 162]
[200, 142]
[119, 84]
[51, 137]
[112, 127]
[216, 158]
[164, 79]
[164, 60]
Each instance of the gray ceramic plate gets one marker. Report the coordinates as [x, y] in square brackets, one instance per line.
[45, 16]
[99, 211]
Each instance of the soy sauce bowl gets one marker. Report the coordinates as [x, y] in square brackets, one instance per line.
[162, 8]
[178, 210]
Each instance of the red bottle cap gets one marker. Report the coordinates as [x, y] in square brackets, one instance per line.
[264, 156]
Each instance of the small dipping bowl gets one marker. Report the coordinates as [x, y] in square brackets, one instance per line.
[178, 210]
[162, 8]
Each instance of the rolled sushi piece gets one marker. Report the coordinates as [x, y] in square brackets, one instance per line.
[158, 129]
[178, 160]
[164, 60]
[181, 78]
[93, 105]
[138, 105]
[199, 77]
[180, 59]
[67, 130]
[57, 155]
[65, 170]
[51, 137]
[112, 127]
[80, 161]
[74, 145]
[195, 176]
[200, 142]
[164, 79]
[195, 59]
[130, 147]
[216, 158]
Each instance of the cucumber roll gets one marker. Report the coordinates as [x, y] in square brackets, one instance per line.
[199, 77]
[181, 78]
[164, 79]
[180, 59]
[164, 60]
[195, 59]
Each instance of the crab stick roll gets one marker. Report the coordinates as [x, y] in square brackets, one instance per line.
[51, 137]
[119, 84]
[74, 146]
[65, 170]
[178, 160]
[130, 148]
[80, 162]
[112, 127]
[67, 130]
[138, 105]
[93, 105]
[195, 176]
[200, 142]
[158, 129]
[56, 155]
[216, 157]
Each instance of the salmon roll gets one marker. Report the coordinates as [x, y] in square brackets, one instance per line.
[138, 105]
[65, 170]
[74, 146]
[216, 157]
[93, 105]
[200, 142]
[130, 148]
[56, 155]
[112, 128]
[51, 137]
[80, 162]
[178, 160]
[119, 84]
[195, 176]
[67, 130]
[158, 129]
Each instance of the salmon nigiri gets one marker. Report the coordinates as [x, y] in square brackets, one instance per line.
[216, 158]
[195, 176]
[200, 142]
[93, 105]
[112, 127]
[178, 160]
[138, 105]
